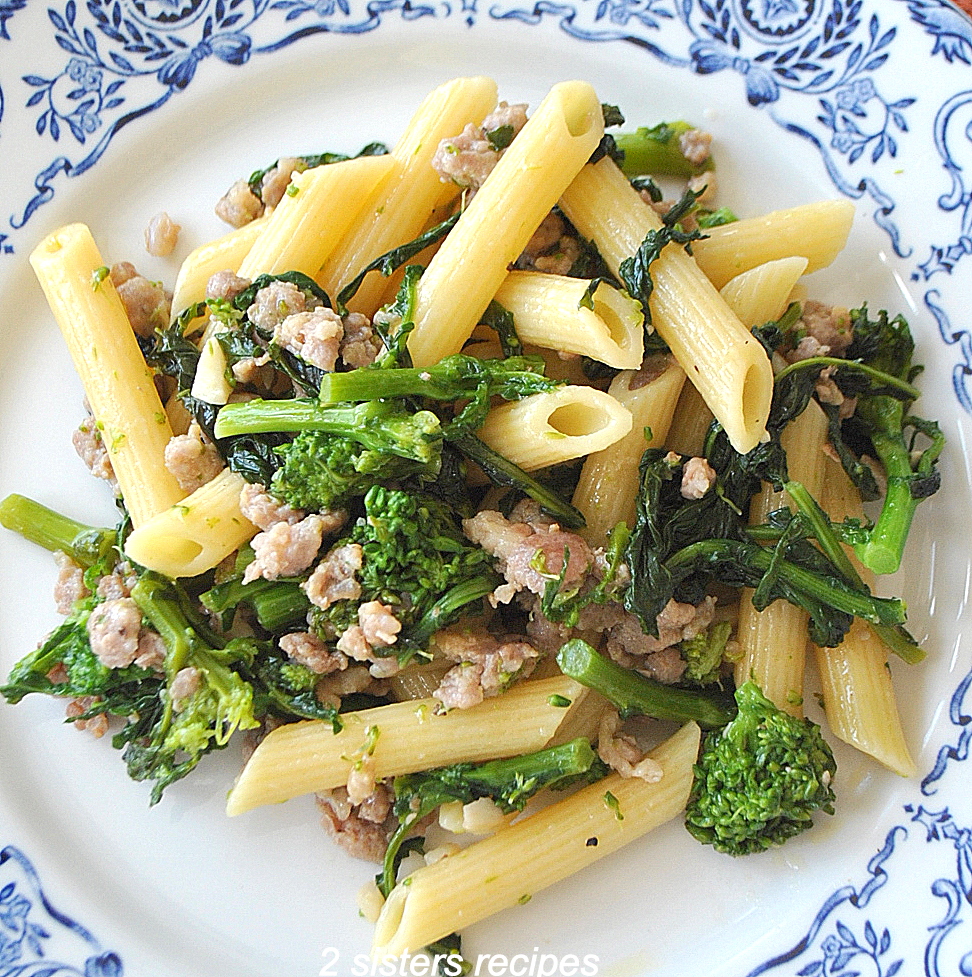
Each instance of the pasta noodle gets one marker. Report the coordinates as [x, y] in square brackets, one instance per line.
[716, 351]
[510, 866]
[531, 175]
[120, 387]
[301, 758]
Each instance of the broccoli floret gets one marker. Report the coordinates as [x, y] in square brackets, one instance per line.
[760, 779]
[414, 556]
[703, 654]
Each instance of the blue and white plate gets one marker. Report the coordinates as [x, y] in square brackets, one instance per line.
[115, 109]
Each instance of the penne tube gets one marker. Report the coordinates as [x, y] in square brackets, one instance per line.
[493, 230]
[549, 428]
[226, 253]
[194, 535]
[817, 232]
[773, 641]
[319, 207]
[548, 312]
[118, 383]
[512, 865]
[690, 423]
[717, 352]
[607, 489]
[858, 694]
[403, 737]
[400, 208]
[761, 294]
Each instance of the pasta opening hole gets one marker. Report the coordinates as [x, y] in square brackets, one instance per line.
[578, 117]
[578, 420]
[619, 333]
[753, 405]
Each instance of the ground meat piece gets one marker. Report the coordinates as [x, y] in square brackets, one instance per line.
[620, 751]
[69, 586]
[354, 644]
[276, 180]
[561, 259]
[307, 649]
[96, 724]
[313, 336]
[698, 476]
[116, 584]
[553, 249]
[495, 533]
[665, 666]
[192, 459]
[360, 346]
[379, 625]
[514, 116]
[147, 304]
[121, 271]
[161, 235]
[706, 185]
[806, 349]
[630, 646]
[113, 629]
[239, 205]
[361, 779]
[466, 159]
[695, 145]
[226, 285]
[545, 237]
[358, 836]
[285, 549]
[185, 684]
[263, 510]
[91, 449]
[486, 665]
[274, 303]
[829, 325]
[151, 650]
[333, 578]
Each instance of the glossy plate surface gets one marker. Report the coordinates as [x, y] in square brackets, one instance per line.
[112, 111]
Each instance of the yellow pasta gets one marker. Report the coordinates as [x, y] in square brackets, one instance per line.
[858, 693]
[119, 385]
[690, 422]
[607, 489]
[817, 232]
[547, 311]
[226, 253]
[401, 207]
[509, 867]
[403, 737]
[549, 428]
[774, 640]
[717, 352]
[195, 534]
[494, 229]
[319, 207]
[760, 295]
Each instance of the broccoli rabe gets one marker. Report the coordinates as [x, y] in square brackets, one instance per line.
[510, 783]
[416, 561]
[760, 779]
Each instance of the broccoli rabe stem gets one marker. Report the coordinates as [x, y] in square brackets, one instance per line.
[509, 782]
[633, 694]
[446, 609]
[86, 545]
[452, 378]
[658, 151]
[896, 638]
[883, 551]
[377, 425]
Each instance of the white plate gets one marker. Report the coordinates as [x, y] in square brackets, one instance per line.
[115, 109]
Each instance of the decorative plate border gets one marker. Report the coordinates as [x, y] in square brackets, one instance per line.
[824, 70]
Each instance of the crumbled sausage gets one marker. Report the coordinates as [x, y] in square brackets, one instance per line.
[263, 510]
[147, 304]
[307, 649]
[285, 549]
[698, 476]
[91, 449]
[276, 180]
[185, 684]
[363, 831]
[360, 346]
[467, 159]
[95, 724]
[70, 586]
[696, 145]
[192, 458]
[113, 630]
[161, 235]
[274, 303]
[226, 285]
[333, 578]
[620, 751]
[313, 336]
[239, 205]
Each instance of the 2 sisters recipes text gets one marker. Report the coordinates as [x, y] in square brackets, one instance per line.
[493, 494]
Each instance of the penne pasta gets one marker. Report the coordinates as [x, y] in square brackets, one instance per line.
[400, 209]
[817, 232]
[319, 207]
[760, 295]
[493, 230]
[403, 737]
[548, 312]
[194, 535]
[549, 428]
[716, 351]
[607, 489]
[509, 867]
[118, 383]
